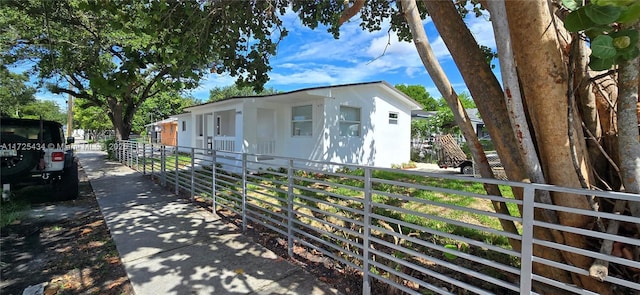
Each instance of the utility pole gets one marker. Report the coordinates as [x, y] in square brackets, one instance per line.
[70, 114]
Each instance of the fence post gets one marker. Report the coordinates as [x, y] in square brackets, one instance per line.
[213, 181]
[144, 158]
[137, 156]
[130, 157]
[163, 165]
[193, 175]
[176, 184]
[366, 285]
[244, 192]
[153, 162]
[120, 148]
[290, 209]
[526, 253]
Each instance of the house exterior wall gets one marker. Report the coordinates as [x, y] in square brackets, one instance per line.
[168, 133]
[260, 120]
[185, 129]
[380, 143]
[302, 146]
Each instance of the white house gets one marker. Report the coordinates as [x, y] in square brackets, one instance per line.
[364, 123]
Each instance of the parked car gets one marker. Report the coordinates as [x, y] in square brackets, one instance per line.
[35, 152]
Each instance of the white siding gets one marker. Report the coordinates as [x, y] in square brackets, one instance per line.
[184, 135]
[380, 143]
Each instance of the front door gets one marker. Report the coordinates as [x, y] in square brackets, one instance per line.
[265, 131]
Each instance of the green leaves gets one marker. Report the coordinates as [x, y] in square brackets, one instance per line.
[600, 20]
[578, 21]
[602, 15]
[602, 47]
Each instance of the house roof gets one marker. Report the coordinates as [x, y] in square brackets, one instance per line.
[421, 114]
[383, 84]
[474, 115]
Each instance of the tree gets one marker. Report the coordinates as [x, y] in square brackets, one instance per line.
[14, 92]
[92, 119]
[220, 93]
[160, 107]
[117, 54]
[42, 109]
[445, 119]
[559, 97]
[419, 94]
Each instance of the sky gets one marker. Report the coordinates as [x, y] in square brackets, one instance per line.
[311, 58]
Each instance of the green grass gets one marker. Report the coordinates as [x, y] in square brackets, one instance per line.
[12, 211]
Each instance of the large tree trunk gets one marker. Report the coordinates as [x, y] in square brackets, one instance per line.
[544, 79]
[121, 126]
[628, 136]
[432, 65]
[488, 95]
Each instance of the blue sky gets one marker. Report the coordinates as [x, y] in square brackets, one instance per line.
[310, 58]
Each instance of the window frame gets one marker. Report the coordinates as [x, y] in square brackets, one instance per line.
[342, 121]
[298, 119]
[392, 120]
[218, 125]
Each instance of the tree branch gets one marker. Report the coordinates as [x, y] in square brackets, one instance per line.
[147, 89]
[350, 11]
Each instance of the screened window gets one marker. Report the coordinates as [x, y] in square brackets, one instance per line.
[393, 118]
[301, 120]
[349, 121]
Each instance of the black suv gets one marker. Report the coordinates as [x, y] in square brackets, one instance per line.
[35, 152]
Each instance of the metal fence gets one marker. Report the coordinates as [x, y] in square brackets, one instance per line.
[407, 231]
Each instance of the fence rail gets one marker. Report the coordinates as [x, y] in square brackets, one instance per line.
[405, 230]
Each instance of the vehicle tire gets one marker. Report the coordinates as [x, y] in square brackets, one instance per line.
[67, 188]
[18, 166]
[466, 169]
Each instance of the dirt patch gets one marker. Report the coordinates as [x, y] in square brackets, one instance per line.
[65, 245]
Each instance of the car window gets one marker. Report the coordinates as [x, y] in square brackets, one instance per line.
[50, 134]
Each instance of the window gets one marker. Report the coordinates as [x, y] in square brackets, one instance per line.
[393, 118]
[199, 125]
[481, 131]
[184, 125]
[218, 125]
[349, 121]
[301, 123]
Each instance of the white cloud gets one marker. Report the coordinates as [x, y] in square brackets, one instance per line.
[482, 30]
[308, 58]
[304, 77]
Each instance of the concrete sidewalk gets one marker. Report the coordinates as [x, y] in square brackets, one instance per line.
[169, 246]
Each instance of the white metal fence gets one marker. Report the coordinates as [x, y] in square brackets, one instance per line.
[402, 230]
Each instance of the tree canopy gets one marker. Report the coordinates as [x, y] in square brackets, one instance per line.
[18, 100]
[117, 54]
[219, 93]
[419, 94]
[14, 92]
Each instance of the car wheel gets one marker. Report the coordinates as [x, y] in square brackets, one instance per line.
[67, 187]
[467, 169]
[12, 167]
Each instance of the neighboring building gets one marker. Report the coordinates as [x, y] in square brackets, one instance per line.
[364, 123]
[164, 132]
[477, 123]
